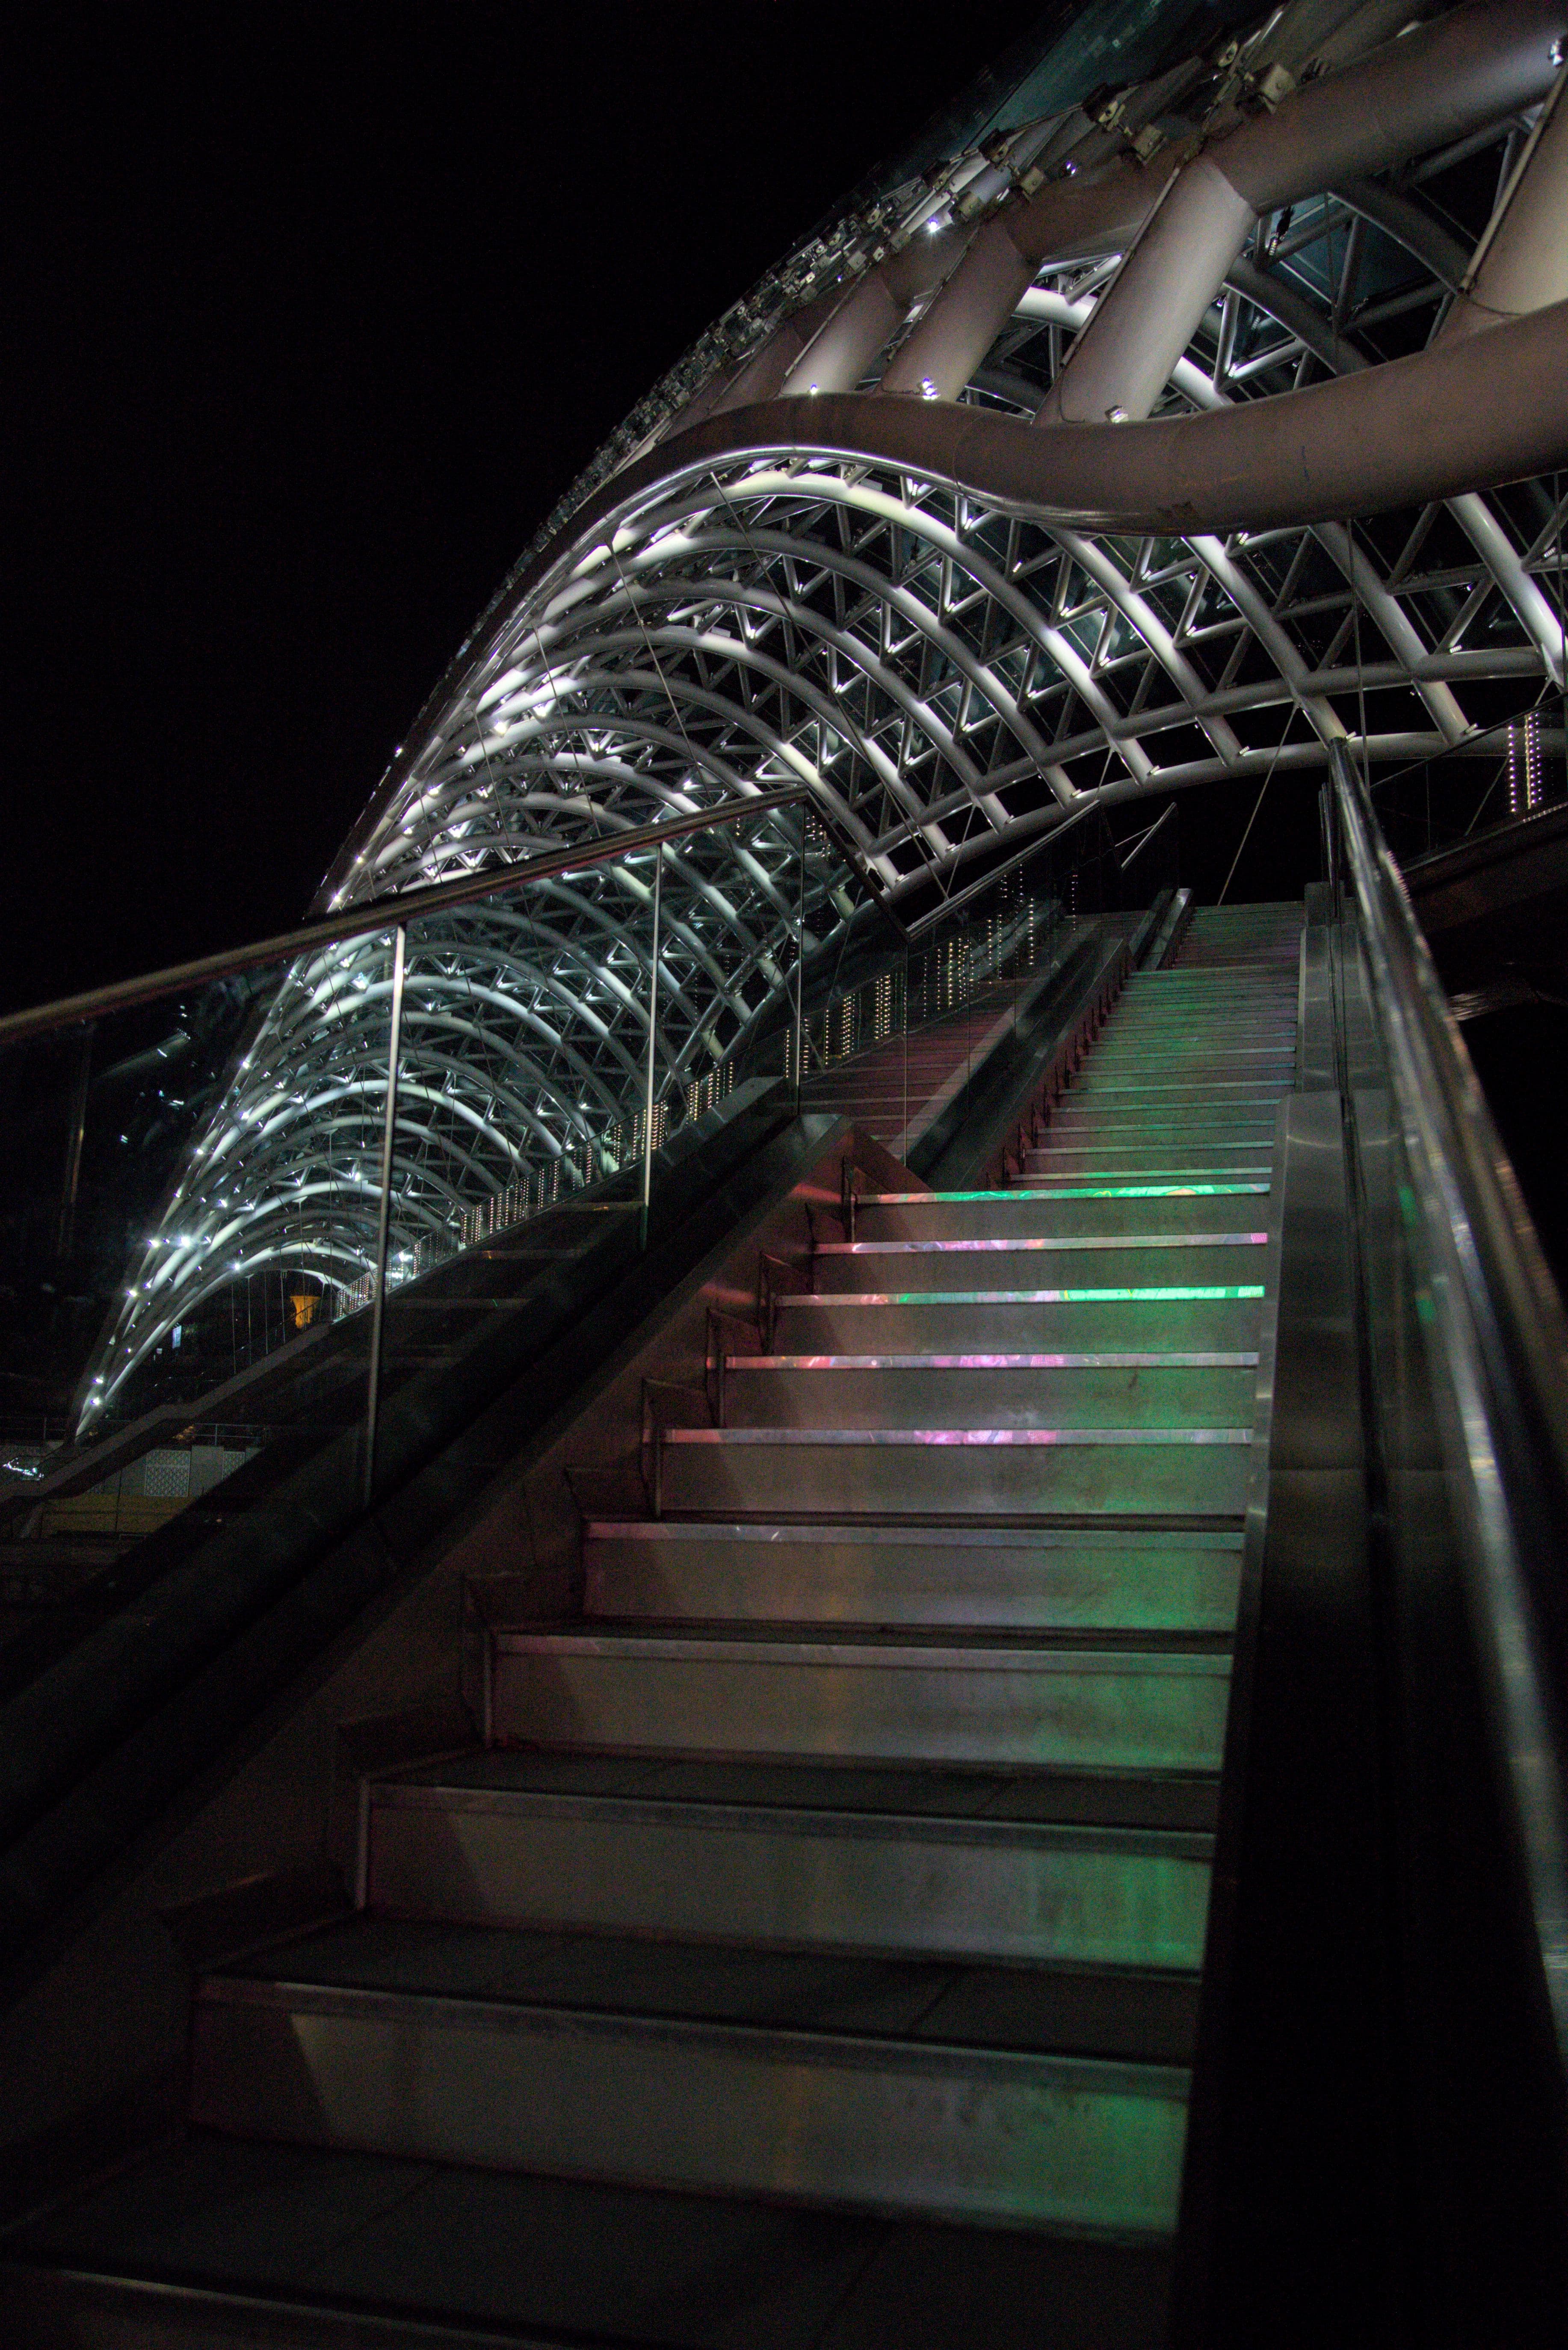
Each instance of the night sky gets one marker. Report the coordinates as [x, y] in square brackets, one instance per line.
[314, 313]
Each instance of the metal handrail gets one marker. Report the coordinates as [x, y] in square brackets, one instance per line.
[383, 914]
[1502, 1335]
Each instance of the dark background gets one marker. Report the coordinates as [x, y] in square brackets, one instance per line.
[312, 316]
[314, 313]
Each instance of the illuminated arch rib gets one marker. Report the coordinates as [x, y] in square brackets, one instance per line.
[959, 626]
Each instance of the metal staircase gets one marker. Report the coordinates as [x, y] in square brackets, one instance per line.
[830, 1895]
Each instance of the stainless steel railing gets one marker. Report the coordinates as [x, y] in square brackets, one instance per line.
[1493, 1330]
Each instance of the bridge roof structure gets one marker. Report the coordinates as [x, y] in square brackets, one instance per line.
[1193, 399]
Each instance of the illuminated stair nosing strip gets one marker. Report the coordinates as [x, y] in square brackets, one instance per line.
[1078, 1191]
[1064, 1362]
[1198, 1294]
[1022, 1243]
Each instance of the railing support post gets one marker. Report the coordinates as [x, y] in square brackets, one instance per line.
[74, 1136]
[653, 1041]
[384, 1213]
[800, 971]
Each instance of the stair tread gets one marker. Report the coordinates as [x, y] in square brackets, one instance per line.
[581, 2261]
[960, 1438]
[1122, 1802]
[830, 1300]
[1173, 1359]
[1065, 1650]
[1008, 1538]
[1202, 1086]
[1254, 1167]
[1117, 2016]
[1039, 1244]
[1020, 1193]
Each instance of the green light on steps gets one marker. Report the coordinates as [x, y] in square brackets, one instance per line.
[1152, 1296]
[1066, 1191]
[1074, 1191]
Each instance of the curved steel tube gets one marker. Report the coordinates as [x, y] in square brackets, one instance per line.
[1474, 66]
[1497, 1329]
[1405, 434]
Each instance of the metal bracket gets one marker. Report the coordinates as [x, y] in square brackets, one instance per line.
[716, 1357]
[851, 1182]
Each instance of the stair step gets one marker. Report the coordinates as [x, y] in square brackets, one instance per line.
[1035, 1578]
[1228, 1028]
[1184, 1802]
[1271, 1006]
[1177, 1168]
[1086, 1318]
[901, 2087]
[794, 1875]
[306, 2247]
[1215, 1159]
[1139, 1053]
[1037, 1390]
[1118, 1125]
[1151, 1095]
[1139, 1705]
[1155, 1065]
[1080, 1114]
[1197, 1075]
[1225, 1029]
[1017, 1260]
[1243, 1138]
[1082, 1208]
[959, 1471]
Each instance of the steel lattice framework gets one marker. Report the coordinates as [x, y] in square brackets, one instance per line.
[722, 608]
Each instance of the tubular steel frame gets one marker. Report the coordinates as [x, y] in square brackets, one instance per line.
[949, 675]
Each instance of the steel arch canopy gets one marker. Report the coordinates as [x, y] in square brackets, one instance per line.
[1317, 281]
